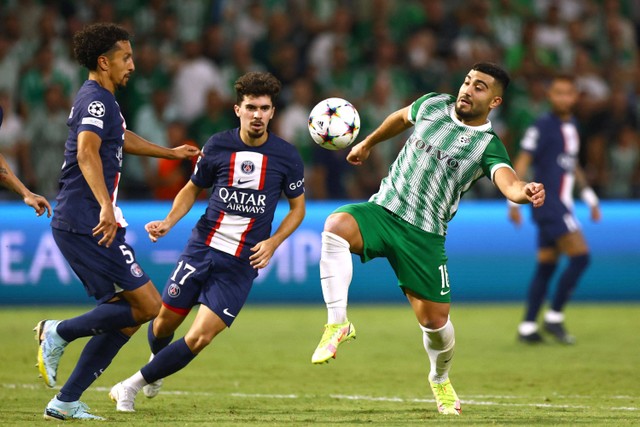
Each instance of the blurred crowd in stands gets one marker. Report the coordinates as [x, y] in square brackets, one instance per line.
[379, 54]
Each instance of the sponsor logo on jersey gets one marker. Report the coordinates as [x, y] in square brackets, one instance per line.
[567, 162]
[174, 290]
[436, 153]
[92, 121]
[248, 167]
[297, 184]
[96, 109]
[242, 201]
[136, 271]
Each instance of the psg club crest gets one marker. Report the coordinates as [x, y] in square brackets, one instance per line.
[136, 271]
[96, 109]
[174, 290]
[248, 167]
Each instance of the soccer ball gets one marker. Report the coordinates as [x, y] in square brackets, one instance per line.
[334, 123]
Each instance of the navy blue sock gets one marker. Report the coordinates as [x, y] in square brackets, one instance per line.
[568, 281]
[95, 358]
[168, 361]
[538, 289]
[156, 344]
[105, 317]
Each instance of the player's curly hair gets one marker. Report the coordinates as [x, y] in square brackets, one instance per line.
[257, 83]
[95, 40]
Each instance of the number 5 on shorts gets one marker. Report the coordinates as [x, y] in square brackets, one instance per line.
[127, 253]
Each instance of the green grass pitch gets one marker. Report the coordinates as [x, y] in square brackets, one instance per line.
[259, 371]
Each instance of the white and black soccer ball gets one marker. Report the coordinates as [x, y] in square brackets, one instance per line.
[334, 123]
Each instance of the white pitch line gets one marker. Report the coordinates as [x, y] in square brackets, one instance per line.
[468, 401]
[464, 401]
[267, 396]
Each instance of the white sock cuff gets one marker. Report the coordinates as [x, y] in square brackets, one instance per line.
[329, 238]
[527, 328]
[430, 331]
[337, 314]
[554, 316]
[136, 381]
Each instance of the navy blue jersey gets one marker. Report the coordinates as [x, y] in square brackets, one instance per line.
[95, 109]
[554, 146]
[247, 184]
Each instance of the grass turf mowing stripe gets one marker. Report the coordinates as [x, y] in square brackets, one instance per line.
[468, 401]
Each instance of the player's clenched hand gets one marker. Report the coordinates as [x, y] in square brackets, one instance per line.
[39, 203]
[263, 252]
[156, 229]
[535, 193]
[185, 151]
[358, 154]
[107, 226]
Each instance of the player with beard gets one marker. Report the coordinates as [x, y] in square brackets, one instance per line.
[249, 168]
[451, 147]
[89, 228]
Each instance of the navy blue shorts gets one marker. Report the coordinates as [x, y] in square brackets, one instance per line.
[207, 276]
[103, 271]
[550, 230]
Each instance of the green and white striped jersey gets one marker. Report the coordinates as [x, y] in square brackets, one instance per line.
[439, 162]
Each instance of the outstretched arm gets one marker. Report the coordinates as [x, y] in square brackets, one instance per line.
[263, 251]
[521, 167]
[516, 190]
[393, 125]
[135, 144]
[10, 181]
[182, 204]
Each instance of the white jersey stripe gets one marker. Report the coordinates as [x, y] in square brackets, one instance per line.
[571, 141]
[214, 228]
[244, 237]
[248, 169]
[229, 233]
[232, 168]
[571, 222]
[566, 190]
[263, 172]
[117, 212]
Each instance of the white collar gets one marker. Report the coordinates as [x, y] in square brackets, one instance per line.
[482, 128]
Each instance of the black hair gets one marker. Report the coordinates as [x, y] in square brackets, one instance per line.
[495, 71]
[96, 40]
[257, 83]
